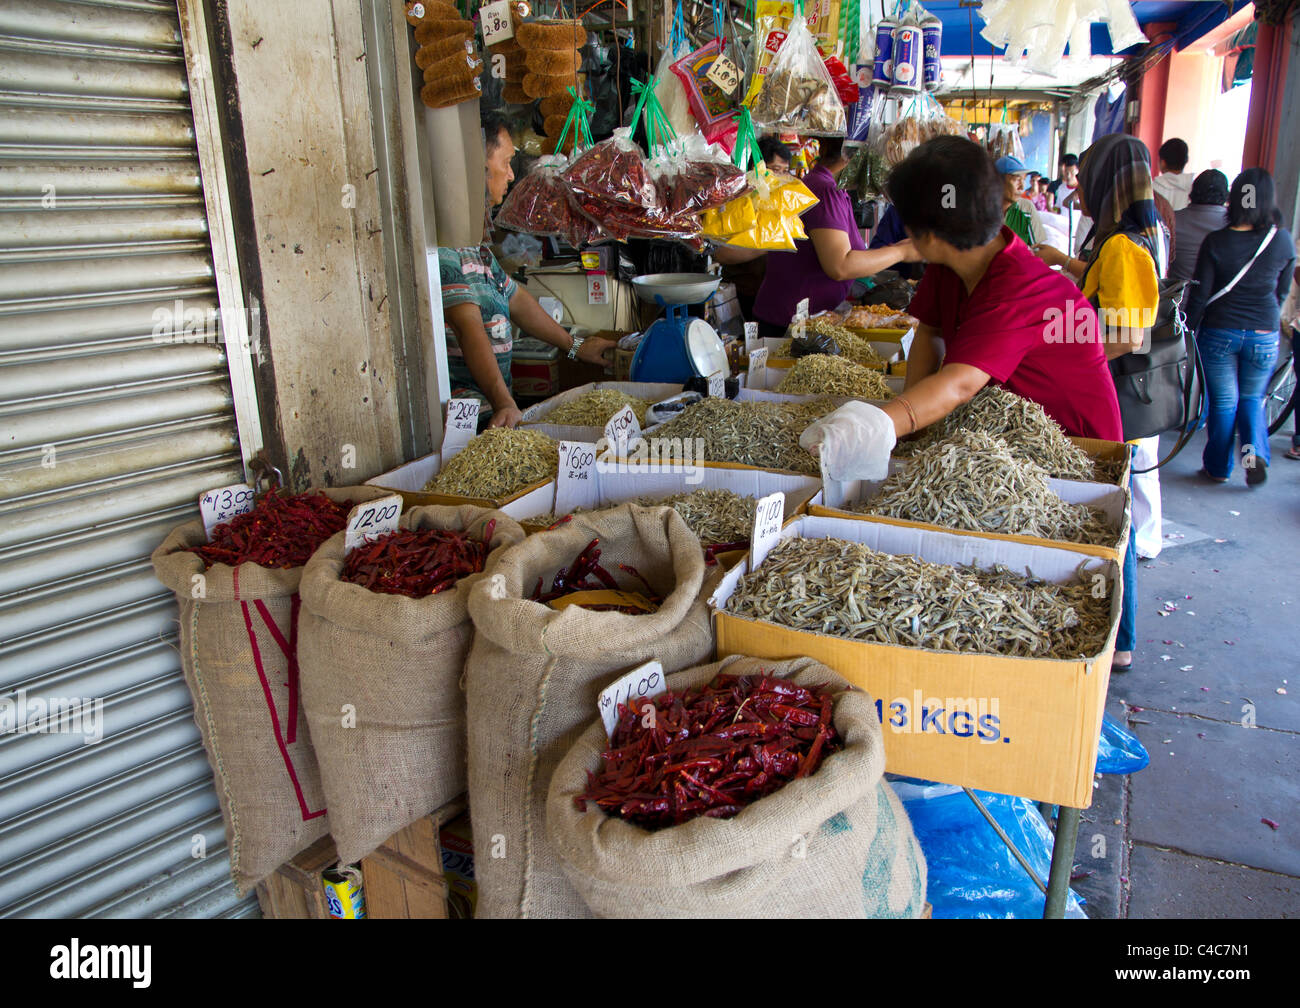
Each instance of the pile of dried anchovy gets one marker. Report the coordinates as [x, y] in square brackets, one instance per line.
[716, 516]
[820, 374]
[1028, 431]
[973, 481]
[594, 408]
[844, 589]
[762, 434]
[853, 347]
[497, 463]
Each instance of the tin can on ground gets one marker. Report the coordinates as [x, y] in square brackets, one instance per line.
[907, 58]
[882, 70]
[344, 894]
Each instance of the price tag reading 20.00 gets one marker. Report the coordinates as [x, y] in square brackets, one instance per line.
[462, 425]
[577, 486]
[768, 516]
[372, 520]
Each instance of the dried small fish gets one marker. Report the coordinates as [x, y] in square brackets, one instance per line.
[853, 347]
[1025, 427]
[845, 589]
[973, 481]
[594, 408]
[497, 463]
[716, 516]
[762, 434]
[821, 374]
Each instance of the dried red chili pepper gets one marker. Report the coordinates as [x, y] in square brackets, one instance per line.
[416, 562]
[281, 531]
[711, 750]
[574, 578]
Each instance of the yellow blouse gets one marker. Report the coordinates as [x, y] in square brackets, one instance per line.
[1124, 277]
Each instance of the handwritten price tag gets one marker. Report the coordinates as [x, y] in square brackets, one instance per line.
[717, 385]
[725, 75]
[497, 26]
[798, 328]
[801, 309]
[758, 368]
[370, 521]
[768, 516]
[218, 506]
[622, 431]
[462, 425]
[577, 486]
[751, 337]
[642, 683]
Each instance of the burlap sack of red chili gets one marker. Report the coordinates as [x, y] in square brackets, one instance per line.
[381, 684]
[534, 675]
[835, 843]
[239, 654]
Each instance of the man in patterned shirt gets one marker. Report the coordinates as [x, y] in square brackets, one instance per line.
[480, 302]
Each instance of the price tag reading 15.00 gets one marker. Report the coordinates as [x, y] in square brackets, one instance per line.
[768, 515]
[371, 520]
[577, 486]
[623, 430]
[218, 506]
[497, 26]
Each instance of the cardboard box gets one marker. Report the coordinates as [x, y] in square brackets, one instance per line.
[776, 372]
[1031, 725]
[1109, 451]
[535, 416]
[530, 379]
[410, 479]
[457, 842]
[1111, 499]
[623, 364]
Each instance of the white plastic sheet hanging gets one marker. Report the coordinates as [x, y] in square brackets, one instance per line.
[1124, 30]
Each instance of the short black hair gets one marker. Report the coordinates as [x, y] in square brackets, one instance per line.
[1253, 200]
[830, 148]
[771, 147]
[948, 187]
[1174, 154]
[493, 122]
[1069, 160]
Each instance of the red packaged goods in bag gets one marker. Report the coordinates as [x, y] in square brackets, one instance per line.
[614, 171]
[694, 176]
[540, 204]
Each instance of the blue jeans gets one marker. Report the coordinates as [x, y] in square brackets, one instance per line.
[1238, 365]
[1126, 638]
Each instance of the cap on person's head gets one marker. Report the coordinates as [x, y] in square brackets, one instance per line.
[1008, 165]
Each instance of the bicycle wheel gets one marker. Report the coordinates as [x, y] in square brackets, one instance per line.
[1280, 397]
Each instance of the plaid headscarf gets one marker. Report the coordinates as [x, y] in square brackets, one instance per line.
[1115, 176]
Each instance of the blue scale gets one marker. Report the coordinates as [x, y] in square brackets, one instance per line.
[678, 346]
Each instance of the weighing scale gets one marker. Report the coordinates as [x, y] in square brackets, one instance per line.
[678, 346]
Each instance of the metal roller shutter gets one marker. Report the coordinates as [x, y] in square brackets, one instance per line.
[107, 435]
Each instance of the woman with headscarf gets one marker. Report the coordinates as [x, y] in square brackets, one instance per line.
[1205, 213]
[1119, 275]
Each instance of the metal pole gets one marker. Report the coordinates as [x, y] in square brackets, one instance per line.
[1058, 881]
[1015, 851]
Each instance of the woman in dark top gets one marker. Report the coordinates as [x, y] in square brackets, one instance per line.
[1242, 273]
[1205, 213]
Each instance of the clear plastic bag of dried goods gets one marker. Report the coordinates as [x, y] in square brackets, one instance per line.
[905, 123]
[694, 175]
[797, 92]
[614, 171]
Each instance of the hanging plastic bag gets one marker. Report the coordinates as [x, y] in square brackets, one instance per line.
[917, 119]
[1120, 752]
[771, 26]
[797, 92]
[669, 89]
[694, 176]
[1003, 140]
[711, 106]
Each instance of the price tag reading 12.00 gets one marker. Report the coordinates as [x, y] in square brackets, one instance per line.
[218, 506]
[642, 683]
[372, 520]
[577, 486]
[768, 515]
[497, 26]
[724, 74]
[462, 425]
[622, 431]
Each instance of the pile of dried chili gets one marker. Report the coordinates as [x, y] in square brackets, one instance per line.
[711, 750]
[575, 578]
[416, 563]
[283, 530]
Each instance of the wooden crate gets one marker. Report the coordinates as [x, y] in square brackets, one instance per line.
[294, 890]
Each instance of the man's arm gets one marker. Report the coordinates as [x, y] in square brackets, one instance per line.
[467, 321]
[840, 261]
[923, 360]
[935, 396]
[531, 317]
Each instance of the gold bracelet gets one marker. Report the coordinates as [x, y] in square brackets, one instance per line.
[911, 415]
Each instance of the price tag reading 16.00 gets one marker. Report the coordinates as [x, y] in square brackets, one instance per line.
[218, 506]
[577, 486]
[371, 520]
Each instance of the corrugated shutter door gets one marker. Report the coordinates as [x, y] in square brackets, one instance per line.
[107, 435]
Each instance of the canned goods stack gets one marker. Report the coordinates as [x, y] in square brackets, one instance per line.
[908, 52]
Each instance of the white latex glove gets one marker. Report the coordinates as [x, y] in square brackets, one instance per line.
[853, 443]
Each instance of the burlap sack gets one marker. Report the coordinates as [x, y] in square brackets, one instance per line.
[534, 676]
[835, 844]
[238, 643]
[381, 687]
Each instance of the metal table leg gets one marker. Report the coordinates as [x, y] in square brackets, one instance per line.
[1058, 881]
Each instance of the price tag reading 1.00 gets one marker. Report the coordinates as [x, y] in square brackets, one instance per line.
[497, 26]
[372, 520]
[724, 74]
[642, 683]
[768, 515]
[462, 425]
[218, 506]
[577, 486]
[751, 337]
[758, 368]
[622, 431]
